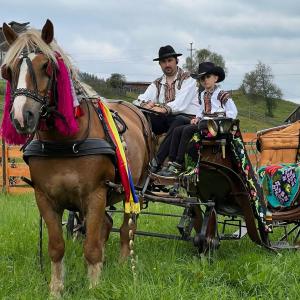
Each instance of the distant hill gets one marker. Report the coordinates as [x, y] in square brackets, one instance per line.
[252, 116]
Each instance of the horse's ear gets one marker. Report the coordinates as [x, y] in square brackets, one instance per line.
[48, 32]
[9, 34]
[6, 73]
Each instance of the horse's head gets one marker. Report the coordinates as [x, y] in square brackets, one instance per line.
[30, 70]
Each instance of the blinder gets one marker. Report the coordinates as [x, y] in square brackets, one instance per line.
[49, 69]
[6, 73]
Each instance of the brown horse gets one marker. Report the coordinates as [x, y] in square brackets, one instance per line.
[75, 183]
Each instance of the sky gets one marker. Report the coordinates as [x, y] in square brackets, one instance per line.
[122, 36]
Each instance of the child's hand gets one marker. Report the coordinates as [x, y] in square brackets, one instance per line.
[194, 121]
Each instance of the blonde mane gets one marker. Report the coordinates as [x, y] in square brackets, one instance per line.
[31, 39]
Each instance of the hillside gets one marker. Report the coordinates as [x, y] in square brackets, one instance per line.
[252, 116]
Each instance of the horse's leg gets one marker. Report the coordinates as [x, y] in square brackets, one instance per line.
[56, 245]
[97, 229]
[124, 237]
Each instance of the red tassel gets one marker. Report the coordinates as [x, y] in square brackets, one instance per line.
[78, 112]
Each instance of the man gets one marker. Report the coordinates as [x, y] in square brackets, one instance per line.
[173, 94]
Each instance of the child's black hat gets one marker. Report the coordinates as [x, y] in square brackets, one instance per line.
[209, 68]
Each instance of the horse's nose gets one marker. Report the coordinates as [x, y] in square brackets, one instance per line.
[28, 118]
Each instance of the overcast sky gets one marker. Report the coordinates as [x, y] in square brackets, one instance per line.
[122, 36]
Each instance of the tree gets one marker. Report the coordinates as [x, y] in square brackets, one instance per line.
[116, 80]
[202, 55]
[258, 84]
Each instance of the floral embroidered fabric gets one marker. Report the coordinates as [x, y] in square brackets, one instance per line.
[280, 184]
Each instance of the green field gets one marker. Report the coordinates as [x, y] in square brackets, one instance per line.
[165, 269]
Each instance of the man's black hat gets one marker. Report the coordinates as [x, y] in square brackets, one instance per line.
[209, 68]
[166, 51]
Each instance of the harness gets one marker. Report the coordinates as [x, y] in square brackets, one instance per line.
[40, 148]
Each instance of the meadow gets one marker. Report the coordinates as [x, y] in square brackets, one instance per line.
[166, 269]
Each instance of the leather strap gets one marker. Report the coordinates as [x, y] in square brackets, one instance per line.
[38, 148]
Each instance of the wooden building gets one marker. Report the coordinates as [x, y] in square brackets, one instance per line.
[136, 86]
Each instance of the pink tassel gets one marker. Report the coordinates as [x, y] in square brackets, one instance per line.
[8, 131]
[65, 101]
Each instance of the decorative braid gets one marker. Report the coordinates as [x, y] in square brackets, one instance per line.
[133, 260]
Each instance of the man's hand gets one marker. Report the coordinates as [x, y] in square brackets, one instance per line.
[149, 105]
[159, 109]
[194, 121]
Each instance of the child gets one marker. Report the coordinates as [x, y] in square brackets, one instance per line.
[212, 100]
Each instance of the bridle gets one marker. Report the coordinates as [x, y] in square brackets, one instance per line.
[34, 94]
[49, 100]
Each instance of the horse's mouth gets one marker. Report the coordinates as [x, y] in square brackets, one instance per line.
[29, 129]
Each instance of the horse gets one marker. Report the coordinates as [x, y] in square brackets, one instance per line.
[32, 67]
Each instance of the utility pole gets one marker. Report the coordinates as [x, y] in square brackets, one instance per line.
[191, 55]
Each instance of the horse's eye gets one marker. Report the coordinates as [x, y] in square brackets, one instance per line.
[45, 65]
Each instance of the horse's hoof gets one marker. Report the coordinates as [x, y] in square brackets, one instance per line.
[56, 290]
[94, 272]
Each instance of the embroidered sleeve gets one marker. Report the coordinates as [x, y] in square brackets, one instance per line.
[228, 104]
[149, 95]
[223, 97]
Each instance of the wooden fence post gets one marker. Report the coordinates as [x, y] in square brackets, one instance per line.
[4, 157]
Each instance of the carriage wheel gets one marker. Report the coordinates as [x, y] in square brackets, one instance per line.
[207, 240]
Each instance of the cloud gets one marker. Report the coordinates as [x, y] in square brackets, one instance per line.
[124, 36]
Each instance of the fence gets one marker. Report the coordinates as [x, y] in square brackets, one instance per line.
[13, 167]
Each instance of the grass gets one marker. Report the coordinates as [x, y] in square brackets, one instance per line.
[166, 269]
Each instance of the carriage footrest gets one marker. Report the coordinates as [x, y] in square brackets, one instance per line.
[281, 245]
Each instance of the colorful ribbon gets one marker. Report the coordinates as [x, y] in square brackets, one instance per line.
[132, 204]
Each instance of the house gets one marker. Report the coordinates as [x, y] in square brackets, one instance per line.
[136, 86]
